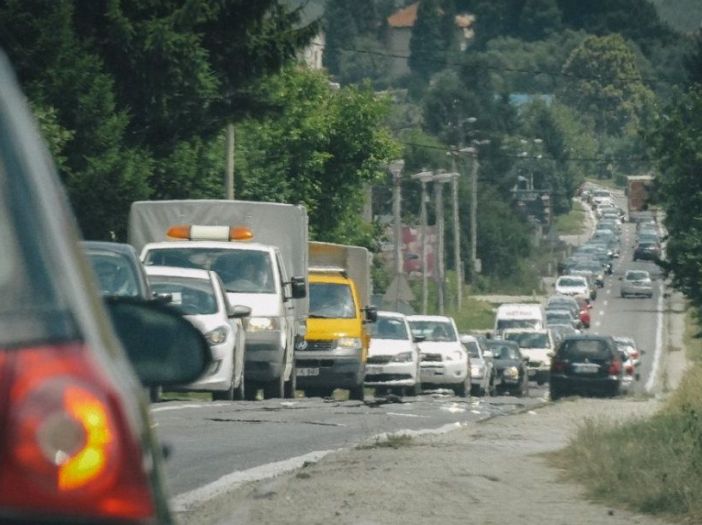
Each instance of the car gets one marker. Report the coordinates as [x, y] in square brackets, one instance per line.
[561, 331]
[393, 356]
[647, 251]
[573, 285]
[538, 346]
[482, 369]
[636, 282]
[628, 344]
[200, 297]
[556, 317]
[511, 374]
[586, 364]
[78, 444]
[562, 302]
[585, 306]
[445, 363]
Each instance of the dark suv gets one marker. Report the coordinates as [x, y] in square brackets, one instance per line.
[586, 364]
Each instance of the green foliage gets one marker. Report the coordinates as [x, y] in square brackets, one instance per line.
[677, 143]
[322, 150]
[428, 42]
[606, 83]
[365, 60]
[683, 15]
[540, 19]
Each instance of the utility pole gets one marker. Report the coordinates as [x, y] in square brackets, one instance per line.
[229, 174]
[424, 177]
[439, 179]
[396, 171]
[474, 213]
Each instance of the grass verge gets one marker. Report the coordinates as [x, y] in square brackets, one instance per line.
[654, 465]
[572, 223]
[391, 441]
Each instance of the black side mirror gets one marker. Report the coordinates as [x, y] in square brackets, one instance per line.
[162, 298]
[298, 286]
[419, 338]
[371, 314]
[163, 347]
[238, 311]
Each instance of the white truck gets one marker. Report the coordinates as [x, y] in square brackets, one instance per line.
[259, 250]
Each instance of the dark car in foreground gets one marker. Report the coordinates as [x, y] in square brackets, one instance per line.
[511, 374]
[586, 364]
[76, 442]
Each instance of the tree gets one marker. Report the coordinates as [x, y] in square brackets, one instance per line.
[540, 19]
[604, 82]
[693, 61]
[428, 42]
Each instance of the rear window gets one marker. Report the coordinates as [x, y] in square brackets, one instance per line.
[115, 274]
[434, 331]
[529, 340]
[636, 276]
[584, 348]
[571, 282]
[390, 328]
[190, 296]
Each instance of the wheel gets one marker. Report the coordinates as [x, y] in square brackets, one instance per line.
[251, 391]
[463, 389]
[291, 384]
[556, 394]
[240, 391]
[416, 390]
[225, 395]
[492, 389]
[155, 394]
[275, 388]
[357, 393]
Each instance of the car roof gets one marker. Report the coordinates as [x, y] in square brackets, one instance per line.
[442, 318]
[107, 246]
[396, 315]
[192, 273]
[232, 245]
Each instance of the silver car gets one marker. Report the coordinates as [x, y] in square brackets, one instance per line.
[637, 282]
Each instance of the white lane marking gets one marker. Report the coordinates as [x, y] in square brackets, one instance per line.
[404, 415]
[189, 405]
[659, 342]
[609, 291]
[194, 498]
[605, 302]
[597, 325]
[601, 312]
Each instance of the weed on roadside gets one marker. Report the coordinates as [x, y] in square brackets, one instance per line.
[392, 441]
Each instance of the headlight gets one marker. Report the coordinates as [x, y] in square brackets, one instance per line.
[217, 336]
[476, 371]
[512, 372]
[456, 355]
[403, 357]
[348, 343]
[262, 324]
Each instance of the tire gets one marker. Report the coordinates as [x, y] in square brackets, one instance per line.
[155, 394]
[556, 394]
[463, 389]
[357, 393]
[251, 390]
[291, 384]
[225, 395]
[492, 388]
[274, 389]
[416, 390]
[240, 392]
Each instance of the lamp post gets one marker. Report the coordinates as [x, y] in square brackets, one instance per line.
[439, 179]
[395, 168]
[424, 177]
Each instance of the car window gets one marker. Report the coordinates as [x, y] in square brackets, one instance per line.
[434, 331]
[506, 324]
[190, 296]
[584, 348]
[390, 328]
[331, 301]
[241, 271]
[637, 276]
[529, 340]
[115, 274]
[473, 349]
[571, 282]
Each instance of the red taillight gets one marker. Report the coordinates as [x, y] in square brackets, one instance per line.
[66, 448]
[558, 366]
[615, 368]
[629, 370]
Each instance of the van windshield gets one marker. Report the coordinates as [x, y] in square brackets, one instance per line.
[241, 271]
[506, 324]
[331, 301]
[529, 340]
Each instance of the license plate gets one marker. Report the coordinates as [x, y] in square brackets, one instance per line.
[586, 369]
[306, 372]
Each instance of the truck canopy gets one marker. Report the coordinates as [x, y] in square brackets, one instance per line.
[355, 261]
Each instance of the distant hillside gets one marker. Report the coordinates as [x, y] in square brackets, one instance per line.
[683, 15]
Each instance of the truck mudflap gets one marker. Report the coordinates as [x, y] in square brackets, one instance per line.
[329, 372]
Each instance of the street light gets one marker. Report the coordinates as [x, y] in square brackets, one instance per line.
[395, 168]
[424, 177]
[439, 179]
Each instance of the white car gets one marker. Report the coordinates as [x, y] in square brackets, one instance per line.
[539, 347]
[637, 282]
[200, 296]
[445, 362]
[573, 285]
[393, 356]
[482, 368]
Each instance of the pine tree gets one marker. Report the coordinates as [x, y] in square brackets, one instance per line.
[428, 42]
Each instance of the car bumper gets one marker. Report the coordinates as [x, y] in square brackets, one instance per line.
[637, 290]
[321, 370]
[219, 376]
[391, 374]
[585, 385]
[264, 356]
[444, 373]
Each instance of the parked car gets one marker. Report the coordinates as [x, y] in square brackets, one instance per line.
[539, 347]
[393, 356]
[77, 441]
[586, 364]
[445, 363]
[573, 285]
[482, 369]
[637, 282]
[511, 374]
[200, 296]
[557, 317]
[628, 345]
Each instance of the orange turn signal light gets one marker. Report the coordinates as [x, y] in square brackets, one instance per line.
[210, 233]
[181, 231]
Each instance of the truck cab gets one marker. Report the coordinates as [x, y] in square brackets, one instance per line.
[335, 349]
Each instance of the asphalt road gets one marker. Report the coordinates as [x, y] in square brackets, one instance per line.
[212, 440]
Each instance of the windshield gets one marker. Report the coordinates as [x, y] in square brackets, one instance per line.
[434, 331]
[576, 349]
[473, 349]
[502, 350]
[390, 328]
[506, 324]
[115, 274]
[571, 282]
[529, 340]
[241, 271]
[637, 276]
[331, 301]
[190, 296]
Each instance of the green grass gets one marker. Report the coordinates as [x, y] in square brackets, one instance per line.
[572, 223]
[654, 465]
[475, 315]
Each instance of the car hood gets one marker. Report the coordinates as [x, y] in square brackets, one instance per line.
[439, 347]
[389, 347]
[207, 323]
[261, 304]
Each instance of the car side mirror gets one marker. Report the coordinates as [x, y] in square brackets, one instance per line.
[163, 347]
[371, 314]
[238, 311]
[163, 298]
[298, 287]
[550, 354]
[419, 338]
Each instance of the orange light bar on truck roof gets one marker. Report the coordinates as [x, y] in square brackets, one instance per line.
[210, 233]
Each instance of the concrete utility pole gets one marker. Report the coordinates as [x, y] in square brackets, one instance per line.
[396, 171]
[439, 179]
[229, 174]
[424, 177]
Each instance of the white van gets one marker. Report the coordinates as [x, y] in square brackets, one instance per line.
[519, 315]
